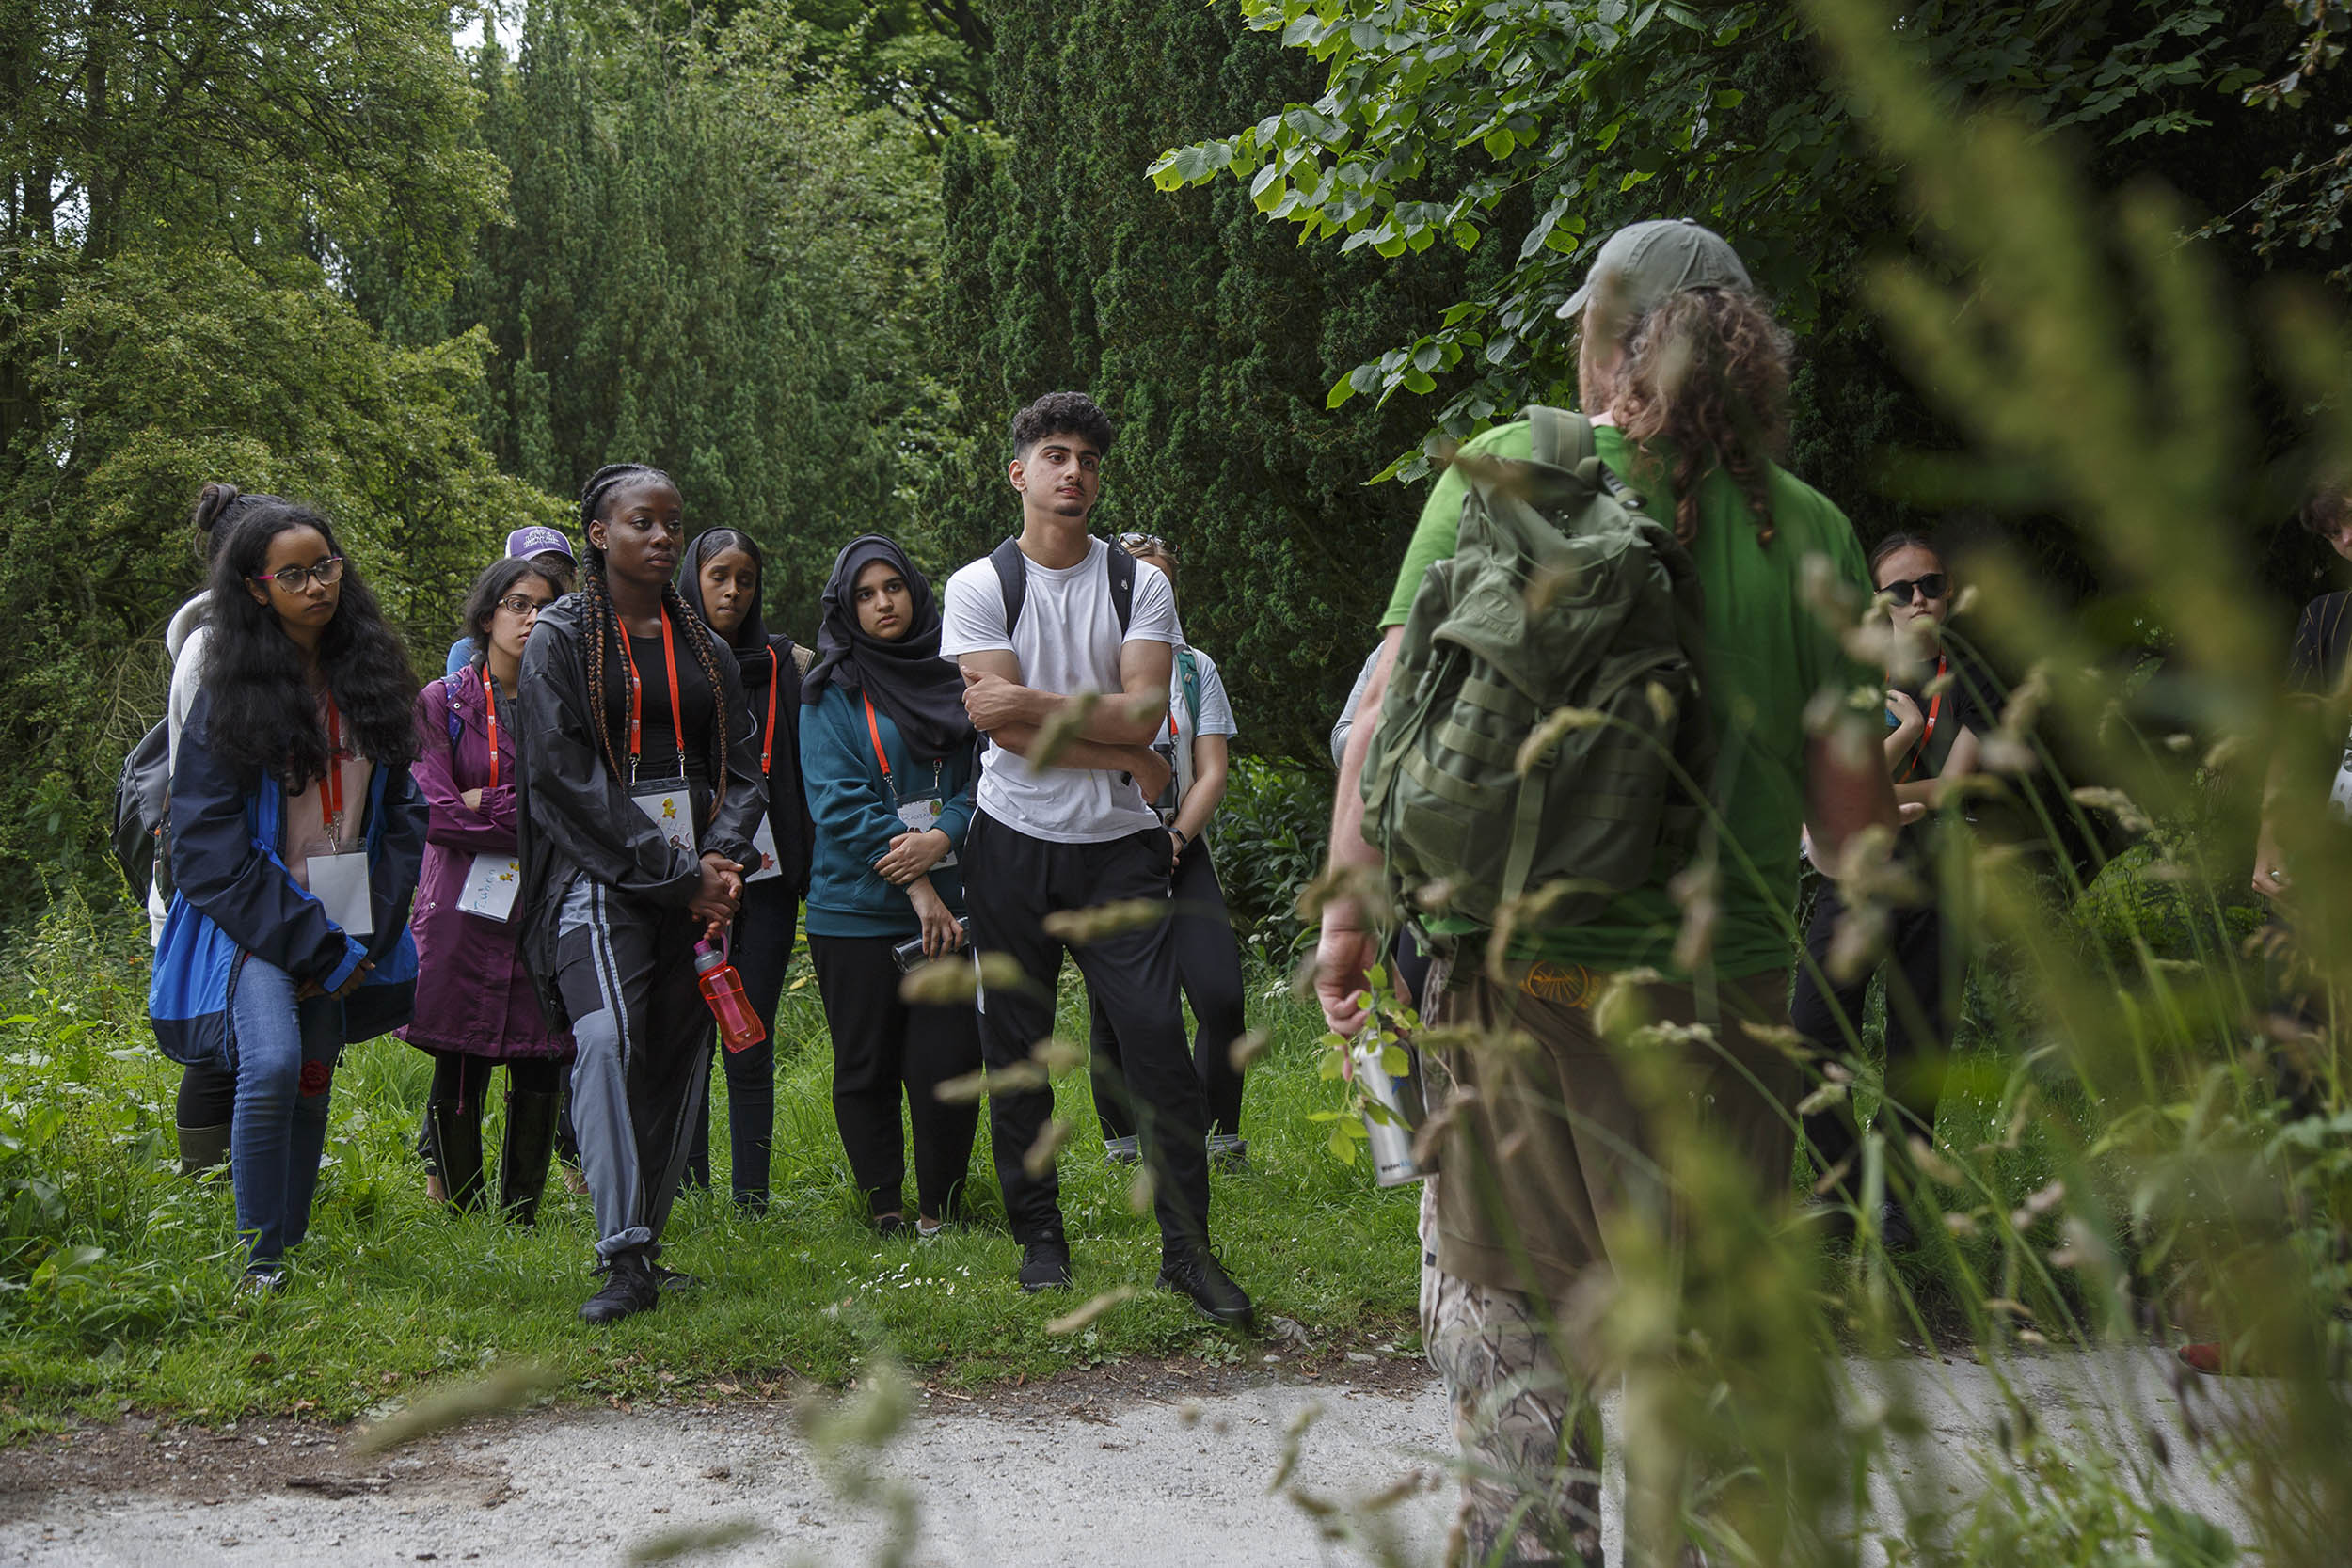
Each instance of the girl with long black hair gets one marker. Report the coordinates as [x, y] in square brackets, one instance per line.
[296, 834]
[891, 760]
[641, 798]
[475, 1007]
[723, 579]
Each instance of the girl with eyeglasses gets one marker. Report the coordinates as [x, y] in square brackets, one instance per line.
[297, 836]
[475, 1005]
[641, 799]
[1935, 721]
[1200, 731]
[724, 579]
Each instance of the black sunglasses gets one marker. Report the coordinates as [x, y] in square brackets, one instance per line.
[1930, 587]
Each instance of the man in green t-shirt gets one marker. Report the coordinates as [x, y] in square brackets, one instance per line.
[1686, 376]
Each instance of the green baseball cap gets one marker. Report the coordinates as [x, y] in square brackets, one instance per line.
[1644, 262]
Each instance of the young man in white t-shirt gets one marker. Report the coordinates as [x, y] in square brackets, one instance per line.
[1075, 829]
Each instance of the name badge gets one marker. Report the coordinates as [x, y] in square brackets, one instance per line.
[341, 883]
[764, 846]
[491, 883]
[921, 816]
[671, 808]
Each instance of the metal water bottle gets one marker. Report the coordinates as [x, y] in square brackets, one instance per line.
[739, 1028]
[1390, 1142]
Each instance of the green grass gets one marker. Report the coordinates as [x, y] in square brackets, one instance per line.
[391, 1292]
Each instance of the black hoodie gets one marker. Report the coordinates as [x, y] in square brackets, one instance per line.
[576, 819]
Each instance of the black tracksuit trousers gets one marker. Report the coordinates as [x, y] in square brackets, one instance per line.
[1011, 882]
[625, 967]
[1919, 1028]
[1208, 968]
[879, 1047]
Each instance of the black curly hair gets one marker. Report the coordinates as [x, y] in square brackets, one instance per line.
[607, 651]
[1061, 413]
[265, 718]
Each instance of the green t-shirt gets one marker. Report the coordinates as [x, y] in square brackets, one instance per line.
[1768, 652]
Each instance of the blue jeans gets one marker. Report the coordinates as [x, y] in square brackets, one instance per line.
[279, 1133]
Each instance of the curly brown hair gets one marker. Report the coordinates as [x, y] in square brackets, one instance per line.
[1707, 373]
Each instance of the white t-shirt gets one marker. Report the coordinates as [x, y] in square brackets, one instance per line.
[1068, 642]
[1216, 718]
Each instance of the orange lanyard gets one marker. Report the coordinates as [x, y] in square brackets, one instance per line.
[636, 693]
[873, 727]
[1935, 707]
[331, 787]
[768, 736]
[490, 707]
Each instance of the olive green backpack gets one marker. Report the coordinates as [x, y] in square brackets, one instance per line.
[1614, 627]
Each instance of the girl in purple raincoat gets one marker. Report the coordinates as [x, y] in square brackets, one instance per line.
[475, 1005]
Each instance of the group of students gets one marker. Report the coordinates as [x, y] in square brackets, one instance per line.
[621, 792]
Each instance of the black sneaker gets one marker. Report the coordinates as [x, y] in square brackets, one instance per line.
[1044, 1266]
[1196, 1272]
[629, 1287]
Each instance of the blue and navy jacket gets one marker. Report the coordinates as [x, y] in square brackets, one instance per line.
[234, 898]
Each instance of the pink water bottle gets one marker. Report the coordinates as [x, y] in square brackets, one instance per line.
[739, 1028]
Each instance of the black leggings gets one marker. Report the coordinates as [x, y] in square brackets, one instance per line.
[465, 1080]
[1918, 1030]
[208, 1097]
[1208, 967]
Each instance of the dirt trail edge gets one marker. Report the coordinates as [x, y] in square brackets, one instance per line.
[1082, 1470]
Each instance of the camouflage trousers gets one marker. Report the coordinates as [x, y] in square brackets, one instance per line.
[1529, 1433]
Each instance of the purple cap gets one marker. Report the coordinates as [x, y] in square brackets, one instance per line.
[538, 538]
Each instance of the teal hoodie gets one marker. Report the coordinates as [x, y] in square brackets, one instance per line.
[855, 819]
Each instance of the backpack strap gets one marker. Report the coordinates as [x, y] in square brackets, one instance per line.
[451, 684]
[1012, 576]
[1123, 570]
[1188, 668]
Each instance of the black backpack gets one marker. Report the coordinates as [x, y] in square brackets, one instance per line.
[142, 812]
[1012, 575]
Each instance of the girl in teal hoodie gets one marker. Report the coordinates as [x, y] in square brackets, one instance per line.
[889, 761]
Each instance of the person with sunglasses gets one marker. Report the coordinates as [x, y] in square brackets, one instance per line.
[476, 1008]
[1935, 721]
[296, 834]
[1199, 728]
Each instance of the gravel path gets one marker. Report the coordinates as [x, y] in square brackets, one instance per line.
[1089, 1469]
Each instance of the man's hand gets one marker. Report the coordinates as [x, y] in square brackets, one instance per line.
[1175, 848]
[719, 896]
[913, 855]
[1342, 956]
[992, 702]
[472, 798]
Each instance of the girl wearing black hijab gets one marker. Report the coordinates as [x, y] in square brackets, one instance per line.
[723, 579]
[889, 761]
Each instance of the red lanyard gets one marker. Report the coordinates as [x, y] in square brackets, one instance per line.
[636, 693]
[331, 787]
[873, 727]
[1935, 707]
[768, 736]
[490, 707]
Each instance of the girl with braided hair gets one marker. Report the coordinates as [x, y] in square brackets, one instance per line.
[641, 795]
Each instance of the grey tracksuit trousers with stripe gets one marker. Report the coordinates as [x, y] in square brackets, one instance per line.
[627, 970]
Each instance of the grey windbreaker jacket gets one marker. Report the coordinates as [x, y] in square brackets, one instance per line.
[576, 819]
